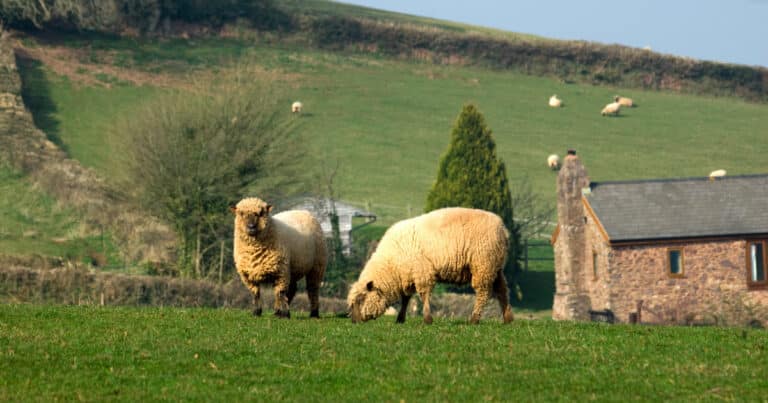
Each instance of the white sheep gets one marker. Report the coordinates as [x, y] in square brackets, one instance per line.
[450, 245]
[624, 101]
[719, 173]
[553, 162]
[296, 107]
[555, 102]
[279, 250]
[611, 109]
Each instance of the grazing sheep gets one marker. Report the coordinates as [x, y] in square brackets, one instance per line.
[716, 174]
[278, 250]
[451, 245]
[611, 109]
[553, 162]
[624, 101]
[296, 107]
[555, 102]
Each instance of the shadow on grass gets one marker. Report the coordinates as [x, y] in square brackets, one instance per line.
[36, 93]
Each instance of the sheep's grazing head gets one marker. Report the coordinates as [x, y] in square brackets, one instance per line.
[251, 216]
[616, 98]
[365, 302]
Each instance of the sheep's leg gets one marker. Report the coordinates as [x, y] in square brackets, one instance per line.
[256, 300]
[291, 291]
[424, 294]
[313, 293]
[502, 294]
[281, 298]
[404, 300]
[482, 292]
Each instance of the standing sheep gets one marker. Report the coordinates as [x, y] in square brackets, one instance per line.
[624, 101]
[296, 107]
[555, 102]
[451, 245]
[278, 250]
[553, 162]
[611, 109]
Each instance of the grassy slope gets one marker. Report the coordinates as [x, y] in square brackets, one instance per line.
[34, 224]
[87, 353]
[388, 122]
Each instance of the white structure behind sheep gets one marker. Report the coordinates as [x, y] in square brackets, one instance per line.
[296, 107]
[555, 102]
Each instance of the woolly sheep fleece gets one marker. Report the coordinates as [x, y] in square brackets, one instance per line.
[451, 245]
[278, 250]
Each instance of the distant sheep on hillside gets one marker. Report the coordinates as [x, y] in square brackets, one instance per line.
[555, 102]
[624, 101]
[297, 107]
[716, 174]
[553, 162]
[611, 109]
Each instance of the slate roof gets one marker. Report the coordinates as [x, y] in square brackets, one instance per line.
[681, 208]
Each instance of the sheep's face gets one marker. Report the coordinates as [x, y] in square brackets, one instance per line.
[365, 302]
[252, 216]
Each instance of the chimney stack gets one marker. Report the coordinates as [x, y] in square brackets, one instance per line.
[571, 299]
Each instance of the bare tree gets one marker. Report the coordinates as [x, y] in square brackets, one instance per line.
[189, 155]
[532, 214]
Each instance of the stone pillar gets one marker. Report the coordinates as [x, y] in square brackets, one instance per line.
[571, 297]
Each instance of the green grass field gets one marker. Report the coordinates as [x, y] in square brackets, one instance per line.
[129, 354]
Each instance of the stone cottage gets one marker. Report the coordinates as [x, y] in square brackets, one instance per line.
[667, 251]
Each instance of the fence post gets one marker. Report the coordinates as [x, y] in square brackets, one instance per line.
[525, 254]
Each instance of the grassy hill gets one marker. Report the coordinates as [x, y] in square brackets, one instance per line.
[129, 354]
[387, 121]
[385, 117]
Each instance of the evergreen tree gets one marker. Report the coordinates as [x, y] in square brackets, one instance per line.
[471, 175]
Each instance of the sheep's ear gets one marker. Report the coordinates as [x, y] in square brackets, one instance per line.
[269, 208]
[233, 209]
[369, 286]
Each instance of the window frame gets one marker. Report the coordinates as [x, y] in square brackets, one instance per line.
[756, 284]
[595, 265]
[681, 273]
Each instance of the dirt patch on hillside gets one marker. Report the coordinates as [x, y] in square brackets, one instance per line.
[90, 67]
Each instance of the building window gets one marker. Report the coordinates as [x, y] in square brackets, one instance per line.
[756, 262]
[675, 259]
[594, 265]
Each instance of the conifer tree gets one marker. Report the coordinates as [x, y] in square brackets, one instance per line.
[471, 175]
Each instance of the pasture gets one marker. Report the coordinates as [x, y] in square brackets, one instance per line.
[131, 354]
[387, 122]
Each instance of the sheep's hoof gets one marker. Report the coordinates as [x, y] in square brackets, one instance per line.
[400, 320]
[257, 312]
[283, 315]
[315, 313]
[427, 320]
[474, 320]
[508, 315]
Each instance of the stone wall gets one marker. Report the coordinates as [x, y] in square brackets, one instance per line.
[712, 289]
[597, 282]
[26, 148]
